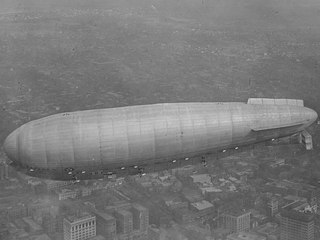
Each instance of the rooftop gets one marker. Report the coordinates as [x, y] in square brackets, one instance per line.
[124, 212]
[300, 206]
[202, 205]
[139, 207]
[79, 217]
[268, 228]
[294, 185]
[65, 190]
[237, 213]
[191, 195]
[104, 215]
[257, 215]
[201, 178]
[245, 236]
[292, 198]
[299, 210]
[210, 189]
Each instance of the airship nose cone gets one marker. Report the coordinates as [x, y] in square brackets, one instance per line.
[311, 115]
[11, 147]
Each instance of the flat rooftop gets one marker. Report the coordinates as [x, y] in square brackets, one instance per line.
[298, 211]
[80, 217]
[245, 236]
[202, 205]
[104, 215]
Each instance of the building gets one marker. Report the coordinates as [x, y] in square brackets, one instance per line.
[38, 209]
[12, 210]
[131, 220]
[155, 233]
[201, 179]
[159, 217]
[257, 218]
[184, 171]
[80, 227]
[237, 221]
[51, 185]
[161, 233]
[84, 191]
[297, 222]
[270, 230]
[272, 207]
[32, 226]
[245, 236]
[202, 208]
[183, 215]
[49, 223]
[191, 195]
[285, 187]
[106, 225]
[124, 221]
[306, 139]
[140, 217]
[66, 193]
[174, 202]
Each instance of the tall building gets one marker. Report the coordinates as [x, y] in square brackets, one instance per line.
[49, 223]
[297, 222]
[106, 225]
[306, 139]
[124, 221]
[79, 227]
[237, 221]
[272, 207]
[140, 217]
[45, 214]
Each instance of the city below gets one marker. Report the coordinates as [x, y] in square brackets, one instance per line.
[259, 194]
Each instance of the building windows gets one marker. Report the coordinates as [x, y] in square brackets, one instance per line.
[78, 229]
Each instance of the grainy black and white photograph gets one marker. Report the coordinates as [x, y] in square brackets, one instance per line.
[159, 120]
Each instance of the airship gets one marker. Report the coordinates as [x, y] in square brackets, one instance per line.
[131, 140]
